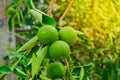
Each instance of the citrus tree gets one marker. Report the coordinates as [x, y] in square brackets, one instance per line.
[55, 42]
[47, 55]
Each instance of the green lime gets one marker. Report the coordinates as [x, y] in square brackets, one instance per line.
[68, 34]
[59, 50]
[47, 34]
[56, 70]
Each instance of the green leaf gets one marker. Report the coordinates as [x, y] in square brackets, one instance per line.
[36, 14]
[88, 67]
[10, 56]
[28, 67]
[19, 55]
[76, 71]
[25, 61]
[29, 44]
[4, 69]
[15, 3]
[14, 64]
[20, 73]
[13, 55]
[47, 20]
[107, 60]
[82, 73]
[45, 62]
[29, 4]
[86, 70]
[10, 48]
[37, 60]
[44, 78]
[17, 60]
[20, 16]
[11, 23]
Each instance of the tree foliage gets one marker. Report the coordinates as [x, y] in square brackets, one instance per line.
[94, 56]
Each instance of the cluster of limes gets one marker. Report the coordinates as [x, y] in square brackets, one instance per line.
[59, 42]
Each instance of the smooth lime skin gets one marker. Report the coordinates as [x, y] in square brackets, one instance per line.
[68, 34]
[56, 70]
[59, 50]
[47, 34]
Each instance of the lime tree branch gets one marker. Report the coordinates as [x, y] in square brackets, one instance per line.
[68, 69]
[66, 11]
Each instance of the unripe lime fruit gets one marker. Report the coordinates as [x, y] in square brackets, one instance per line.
[68, 34]
[47, 34]
[59, 50]
[56, 70]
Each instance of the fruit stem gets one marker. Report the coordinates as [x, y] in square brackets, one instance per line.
[79, 32]
[68, 69]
